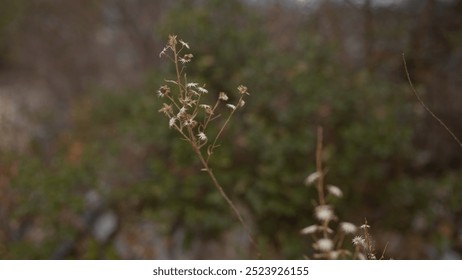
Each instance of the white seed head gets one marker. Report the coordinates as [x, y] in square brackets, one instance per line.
[190, 85]
[202, 90]
[335, 191]
[241, 103]
[333, 255]
[205, 106]
[186, 58]
[242, 89]
[202, 136]
[361, 256]
[309, 229]
[347, 228]
[359, 241]
[190, 122]
[324, 245]
[324, 213]
[365, 226]
[312, 178]
[231, 106]
[171, 122]
[223, 96]
[181, 112]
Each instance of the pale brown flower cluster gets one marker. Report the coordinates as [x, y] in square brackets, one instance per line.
[185, 107]
[188, 112]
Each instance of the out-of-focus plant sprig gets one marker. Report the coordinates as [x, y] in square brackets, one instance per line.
[327, 242]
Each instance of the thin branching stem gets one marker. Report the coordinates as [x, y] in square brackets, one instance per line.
[183, 118]
[178, 74]
[222, 129]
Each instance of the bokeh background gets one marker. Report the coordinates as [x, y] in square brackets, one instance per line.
[90, 170]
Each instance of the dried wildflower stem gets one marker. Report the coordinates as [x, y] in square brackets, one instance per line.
[214, 143]
[367, 236]
[327, 243]
[416, 94]
[320, 181]
[185, 110]
[225, 196]
[383, 252]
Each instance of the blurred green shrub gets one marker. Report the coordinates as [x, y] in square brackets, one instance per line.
[128, 153]
[10, 15]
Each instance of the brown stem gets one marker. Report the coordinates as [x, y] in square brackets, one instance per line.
[222, 129]
[225, 197]
[320, 181]
[416, 94]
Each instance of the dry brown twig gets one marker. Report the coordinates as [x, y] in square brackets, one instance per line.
[416, 94]
[191, 118]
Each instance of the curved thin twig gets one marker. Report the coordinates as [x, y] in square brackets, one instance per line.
[416, 94]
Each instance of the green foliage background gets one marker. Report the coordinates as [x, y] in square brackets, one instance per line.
[264, 157]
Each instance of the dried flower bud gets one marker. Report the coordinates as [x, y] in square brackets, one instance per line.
[333, 255]
[324, 213]
[335, 191]
[190, 122]
[207, 108]
[163, 91]
[365, 226]
[202, 136]
[242, 89]
[184, 44]
[312, 178]
[231, 106]
[309, 229]
[202, 90]
[359, 241]
[163, 51]
[223, 96]
[171, 122]
[172, 41]
[324, 244]
[166, 109]
[181, 113]
[186, 58]
[347, 228]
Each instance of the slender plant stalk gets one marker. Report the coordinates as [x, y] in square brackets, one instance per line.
[225, 196]
[214, 144]
[416, 94]
[320, 181]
